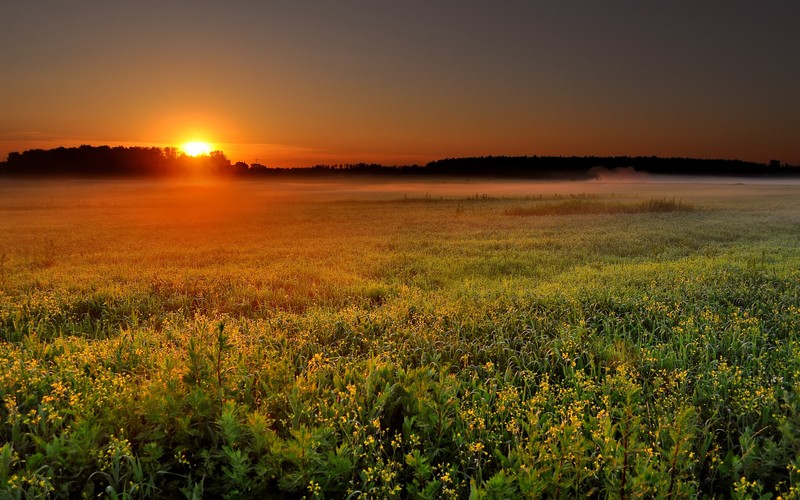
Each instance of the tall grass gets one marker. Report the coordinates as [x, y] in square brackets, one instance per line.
[254, 345]
[580, 206]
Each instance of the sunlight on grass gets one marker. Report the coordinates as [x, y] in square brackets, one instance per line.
[581, 206]
[249, 340]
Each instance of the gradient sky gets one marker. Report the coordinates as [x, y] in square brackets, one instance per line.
[301, 82]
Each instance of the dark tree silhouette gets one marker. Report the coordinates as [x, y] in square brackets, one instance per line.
[92, 161]
[139, 161]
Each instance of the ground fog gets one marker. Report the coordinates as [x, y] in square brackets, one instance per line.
[373, 338]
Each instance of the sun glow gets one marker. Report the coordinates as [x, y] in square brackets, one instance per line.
[196, 148]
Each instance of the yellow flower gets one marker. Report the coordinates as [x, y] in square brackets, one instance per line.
[476, 447]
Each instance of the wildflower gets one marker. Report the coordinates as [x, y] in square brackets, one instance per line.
[314, 488]
[476, 447]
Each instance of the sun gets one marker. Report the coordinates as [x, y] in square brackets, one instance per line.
[196, 148]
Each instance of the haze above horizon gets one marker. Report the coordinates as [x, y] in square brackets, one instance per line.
[297, 84]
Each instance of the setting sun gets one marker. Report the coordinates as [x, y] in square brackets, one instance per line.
[196, 148]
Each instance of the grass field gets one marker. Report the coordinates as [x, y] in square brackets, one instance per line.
[369, 339]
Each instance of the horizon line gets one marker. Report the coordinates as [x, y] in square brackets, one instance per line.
[335, 163]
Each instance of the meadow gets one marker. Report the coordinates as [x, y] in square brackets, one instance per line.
[370, 339]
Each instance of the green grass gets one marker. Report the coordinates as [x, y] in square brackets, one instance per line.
[247, 340]
[579, 205]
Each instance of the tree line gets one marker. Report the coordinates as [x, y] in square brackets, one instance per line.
[105, 161]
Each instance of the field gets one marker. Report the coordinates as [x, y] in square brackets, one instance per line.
[368, 339]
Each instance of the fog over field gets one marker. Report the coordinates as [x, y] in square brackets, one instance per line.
[419, 250]
[253, 192]
[204, 210]
[631, 335]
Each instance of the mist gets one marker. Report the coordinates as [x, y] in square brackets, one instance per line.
[221, 198]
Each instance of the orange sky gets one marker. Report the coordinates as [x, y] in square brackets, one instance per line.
[352, 81]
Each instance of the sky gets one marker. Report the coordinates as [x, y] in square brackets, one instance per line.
[291, 83]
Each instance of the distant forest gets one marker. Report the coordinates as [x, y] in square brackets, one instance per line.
[106, 161]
